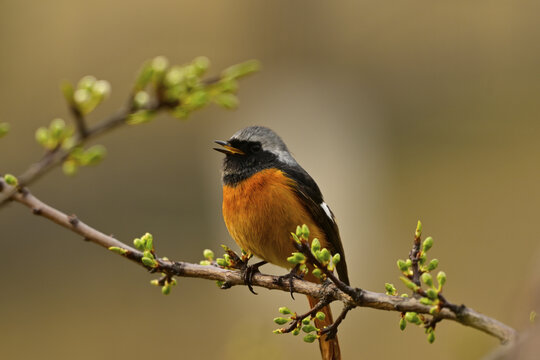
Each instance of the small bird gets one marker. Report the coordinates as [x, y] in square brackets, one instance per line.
[266, 194]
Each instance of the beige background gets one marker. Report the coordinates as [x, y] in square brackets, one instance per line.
[400, 111]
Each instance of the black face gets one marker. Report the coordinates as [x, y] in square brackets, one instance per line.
[237, 167]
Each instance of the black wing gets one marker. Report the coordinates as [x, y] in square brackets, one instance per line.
[310, 195]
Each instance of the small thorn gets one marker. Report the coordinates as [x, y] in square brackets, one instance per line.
[36, 211]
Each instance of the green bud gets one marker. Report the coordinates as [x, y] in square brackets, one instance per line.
[227, 100]
[404, 295]
[295, 238]
[402, 265]
[441, 278]
[42, 136]
[281, 320]
[298, 231]
[222, 262]
[532, 316]
[67, 90]
[293, 260]
[315, 245]
[118, 250]
[412, 317]
[299, 257]
[427, 279]
[296, 331]
[138, 244]
[402, 324]
[141, 99]
[434, 310]
[390, 289]
[149, 262]
[4, 129]
[309, 338]
[148, 254]
[205, 262]
[159, 64]
[166, 290]
[309, 328]
[411, 285]
[336, 259]
[418, 231]
[86, 82]
[154, 282]
[431, 337]
[241, 69]
[428, 243]
[140, 117]
[303, 269]
[306, 321]
[69, 167]
[201, 64]
[278, 331]
[320, 315]
[284, 310]
[208, 254]
[317, 273]
[81, 97]
[422, 258]
[432, 294]
[426, 301]
[433, 265]
[220, 283]
[11, 180]
[408, 262]
[324, 256]
[57, 128]
[305, 231]
[102, 89]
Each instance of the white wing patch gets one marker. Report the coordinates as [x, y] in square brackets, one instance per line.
[327, 210]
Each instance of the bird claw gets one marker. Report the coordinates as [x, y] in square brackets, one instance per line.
[293, 274]
[247, 274]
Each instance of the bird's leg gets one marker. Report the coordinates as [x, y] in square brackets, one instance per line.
[293, 274]
[248, 271]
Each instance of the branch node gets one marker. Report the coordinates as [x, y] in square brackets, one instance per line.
[73, 220]
[36, 211]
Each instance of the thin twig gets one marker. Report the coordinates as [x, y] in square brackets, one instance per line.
[329, 292]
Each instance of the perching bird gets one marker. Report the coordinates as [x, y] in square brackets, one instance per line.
[266, 194]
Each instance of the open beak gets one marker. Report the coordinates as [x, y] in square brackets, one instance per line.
[227, 149]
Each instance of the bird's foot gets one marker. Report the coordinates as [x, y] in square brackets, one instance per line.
[248, 271]
[293, 274]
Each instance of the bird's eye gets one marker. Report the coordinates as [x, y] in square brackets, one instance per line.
[255, 148]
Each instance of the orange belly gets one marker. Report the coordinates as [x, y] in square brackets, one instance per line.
[261, 212]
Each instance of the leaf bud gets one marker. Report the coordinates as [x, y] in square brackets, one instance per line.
[284, 310]
[441, 278]
[427, 244]
[166, 290]
[390, 289]
[309, 338]
[309, 328]
[208, 254]
[432, 294]
[402, 324]
[281, 320]
[315, 245]
[11, 180]
[118, 250]
[221, 262]
[431, 337]
[336, 259]
[418, 231]
[402, 265]
[320, 315]
[433, 265]
[427, 279]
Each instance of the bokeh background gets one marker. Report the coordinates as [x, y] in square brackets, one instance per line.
[400, 110]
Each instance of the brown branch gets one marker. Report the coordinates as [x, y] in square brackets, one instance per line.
[329, 291]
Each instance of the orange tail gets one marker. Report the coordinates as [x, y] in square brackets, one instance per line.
[329, 348]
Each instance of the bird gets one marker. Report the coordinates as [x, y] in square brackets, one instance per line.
[266, 195]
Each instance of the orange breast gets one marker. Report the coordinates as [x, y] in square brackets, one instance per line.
[261, 212]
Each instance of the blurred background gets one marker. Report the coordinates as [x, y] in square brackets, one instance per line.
[400, 111]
